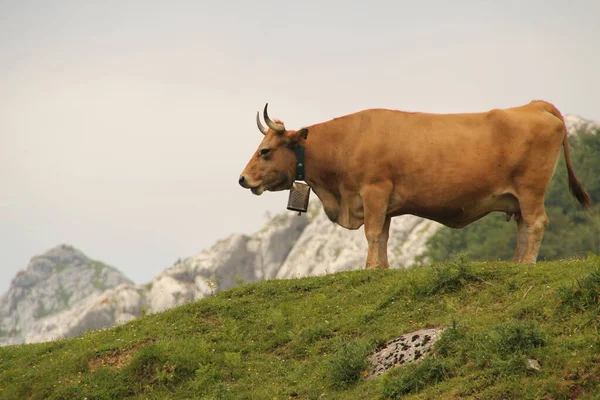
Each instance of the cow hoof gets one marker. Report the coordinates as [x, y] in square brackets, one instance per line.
[377, 266]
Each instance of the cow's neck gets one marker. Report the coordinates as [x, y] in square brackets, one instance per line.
[314, 163]
[321, 176]
[300, 163]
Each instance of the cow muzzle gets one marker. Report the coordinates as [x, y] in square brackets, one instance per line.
[257, 190]
[243, 183]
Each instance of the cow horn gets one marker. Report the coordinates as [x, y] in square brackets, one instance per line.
[260, 126]
[273, 125]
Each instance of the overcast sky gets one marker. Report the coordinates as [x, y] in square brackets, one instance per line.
[124, 125]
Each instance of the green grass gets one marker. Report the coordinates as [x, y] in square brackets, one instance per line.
[309, 338]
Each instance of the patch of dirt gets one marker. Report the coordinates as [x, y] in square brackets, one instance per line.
[115, 359]
[212, 320]
[411, 347]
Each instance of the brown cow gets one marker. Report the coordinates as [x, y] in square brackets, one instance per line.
[370, 166]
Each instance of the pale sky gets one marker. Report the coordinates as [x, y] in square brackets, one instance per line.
[124, 125]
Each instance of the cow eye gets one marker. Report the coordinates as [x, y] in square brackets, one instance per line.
[264, 152]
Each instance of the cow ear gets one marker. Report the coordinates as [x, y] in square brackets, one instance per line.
[303, 133]
[295, 137]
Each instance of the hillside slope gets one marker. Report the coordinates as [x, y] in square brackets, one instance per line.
[308, 338]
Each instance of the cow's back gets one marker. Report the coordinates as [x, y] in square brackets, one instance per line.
[441, 161]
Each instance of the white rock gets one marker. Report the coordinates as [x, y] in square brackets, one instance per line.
[575, 124]
[532, 363]
[168, 292]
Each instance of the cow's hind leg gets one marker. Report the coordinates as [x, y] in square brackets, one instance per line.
[521, 239]
[535, 222]
[383, 242]
[531, 189]
[375, 203]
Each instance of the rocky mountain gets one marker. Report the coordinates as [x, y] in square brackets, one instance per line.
[63, 293]
[232, 261]
[58, 282]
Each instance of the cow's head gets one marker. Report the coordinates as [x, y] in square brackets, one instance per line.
[273, 165]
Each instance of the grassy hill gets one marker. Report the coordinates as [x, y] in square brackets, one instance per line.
[308, 338]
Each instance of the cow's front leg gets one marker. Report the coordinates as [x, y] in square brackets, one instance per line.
[521, 239]
[375, 203]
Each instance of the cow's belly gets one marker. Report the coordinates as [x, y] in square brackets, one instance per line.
[348, 211]
[458, 215]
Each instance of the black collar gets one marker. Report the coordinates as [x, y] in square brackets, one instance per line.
[299, 150]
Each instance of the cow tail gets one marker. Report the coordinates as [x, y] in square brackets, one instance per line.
[575, 186]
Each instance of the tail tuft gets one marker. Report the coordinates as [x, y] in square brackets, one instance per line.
[579, 192]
